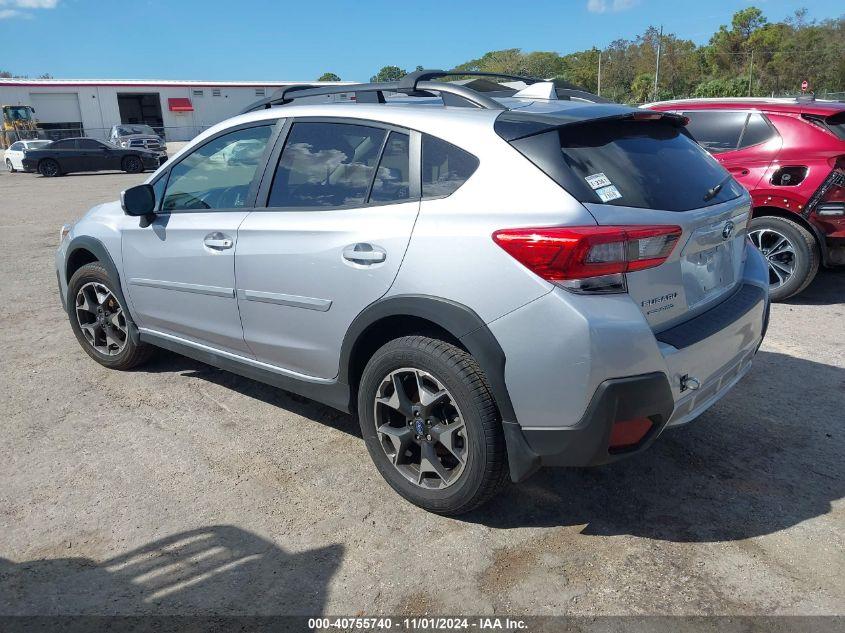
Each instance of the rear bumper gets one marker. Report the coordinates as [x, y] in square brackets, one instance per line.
[587, 443]
[609, 359]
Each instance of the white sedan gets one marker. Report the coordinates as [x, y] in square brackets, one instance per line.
[13, 157]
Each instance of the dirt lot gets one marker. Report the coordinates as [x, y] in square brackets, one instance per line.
[179, 488]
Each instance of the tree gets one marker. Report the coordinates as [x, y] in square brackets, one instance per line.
[389, 73]
[328, 77]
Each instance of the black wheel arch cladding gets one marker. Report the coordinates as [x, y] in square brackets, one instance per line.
[457, 319]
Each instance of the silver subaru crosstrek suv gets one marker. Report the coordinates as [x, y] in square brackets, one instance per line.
[491, 282]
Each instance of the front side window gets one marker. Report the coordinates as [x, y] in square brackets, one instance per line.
[217, 175]
[328, 165]
[87, 143]
[716, 131]
[445, 167]
[16, 147]
[68, 144]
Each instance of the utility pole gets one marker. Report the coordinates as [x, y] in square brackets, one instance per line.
[657, 68]
[598, 91]
[750, 72]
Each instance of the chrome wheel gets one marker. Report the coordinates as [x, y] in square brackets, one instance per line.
[420, 428]
[779, 253]
[101, 319]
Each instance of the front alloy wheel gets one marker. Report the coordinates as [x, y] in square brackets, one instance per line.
[420, 428]
[101, 319]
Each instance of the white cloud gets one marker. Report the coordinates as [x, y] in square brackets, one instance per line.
[30, 4]
[610, 6]
[12, 8]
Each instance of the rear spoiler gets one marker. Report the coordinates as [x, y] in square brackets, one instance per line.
[515, 124]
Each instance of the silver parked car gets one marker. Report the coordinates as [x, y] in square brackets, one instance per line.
[491, 283]
[141, 136]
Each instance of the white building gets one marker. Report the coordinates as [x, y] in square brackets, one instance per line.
[89, 107]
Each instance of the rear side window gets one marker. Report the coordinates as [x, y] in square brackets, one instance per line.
[444, 167]
[68, 144]
[392, 181]
[716, 131]
[757, 130]
[87, 143]
[327, 165]
[645, 164]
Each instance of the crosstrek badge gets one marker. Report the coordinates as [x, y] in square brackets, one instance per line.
[608, 193]
[597, 181]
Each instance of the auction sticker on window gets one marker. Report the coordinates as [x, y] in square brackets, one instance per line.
[597, 181]
[608, 193]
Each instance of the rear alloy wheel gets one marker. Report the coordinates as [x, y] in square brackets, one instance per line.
[49, 168]
[431, 425]
[132, 165]
[791, 254]
[100, 321]
[9, 166]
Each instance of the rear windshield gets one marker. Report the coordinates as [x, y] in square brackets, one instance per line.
[646, 164]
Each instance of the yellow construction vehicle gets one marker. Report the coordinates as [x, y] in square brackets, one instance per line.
[19, 124]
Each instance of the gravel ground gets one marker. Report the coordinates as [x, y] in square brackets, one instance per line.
[179, 488]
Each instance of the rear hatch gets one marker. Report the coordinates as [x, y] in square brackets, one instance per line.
[637, 168]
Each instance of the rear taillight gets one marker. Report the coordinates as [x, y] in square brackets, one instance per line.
[831, 194]
[589, 258]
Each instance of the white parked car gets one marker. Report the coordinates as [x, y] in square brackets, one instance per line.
[13, 157]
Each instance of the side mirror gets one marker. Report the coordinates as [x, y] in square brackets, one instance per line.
[138, 201]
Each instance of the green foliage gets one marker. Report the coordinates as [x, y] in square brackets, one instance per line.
[784, 54]
[733, 87]
[389, 73]
[328, 77]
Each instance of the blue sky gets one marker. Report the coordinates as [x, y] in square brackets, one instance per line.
[251, 40]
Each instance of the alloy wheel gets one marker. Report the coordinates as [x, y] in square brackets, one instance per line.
[9, 165]
[101, 319]
[420, 428]
[779, 253]
[50, 168]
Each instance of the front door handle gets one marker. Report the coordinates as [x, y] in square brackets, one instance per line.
[742, 171]
[218, 241]
[363, 253]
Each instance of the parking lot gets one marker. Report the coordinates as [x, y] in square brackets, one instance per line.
[179, 488]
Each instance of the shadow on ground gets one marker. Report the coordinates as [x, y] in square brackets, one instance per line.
[766, 458]
[827, 288]
[220, 570]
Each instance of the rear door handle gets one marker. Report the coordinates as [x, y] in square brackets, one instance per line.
[363, 253]
[218, 241]
[742, 171]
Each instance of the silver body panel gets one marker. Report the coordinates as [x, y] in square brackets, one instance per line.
[283, 297]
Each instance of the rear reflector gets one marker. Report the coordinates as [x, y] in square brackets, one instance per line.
[581, 252]
[628, 432]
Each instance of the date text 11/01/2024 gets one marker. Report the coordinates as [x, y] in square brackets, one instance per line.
[417, 624]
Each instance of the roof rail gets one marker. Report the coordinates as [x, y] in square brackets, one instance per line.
[416, 84]
[374, 93]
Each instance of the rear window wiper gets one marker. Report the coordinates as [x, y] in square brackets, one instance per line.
[714, 191]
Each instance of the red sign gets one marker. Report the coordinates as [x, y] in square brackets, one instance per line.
[804, 86]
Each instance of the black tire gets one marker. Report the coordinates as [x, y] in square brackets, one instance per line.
[485, 467]
[49, 168]
[133, 165]
[804, 258]
[132, 354]
[9, 166]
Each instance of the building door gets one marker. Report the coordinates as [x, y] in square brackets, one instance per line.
[141, 107]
